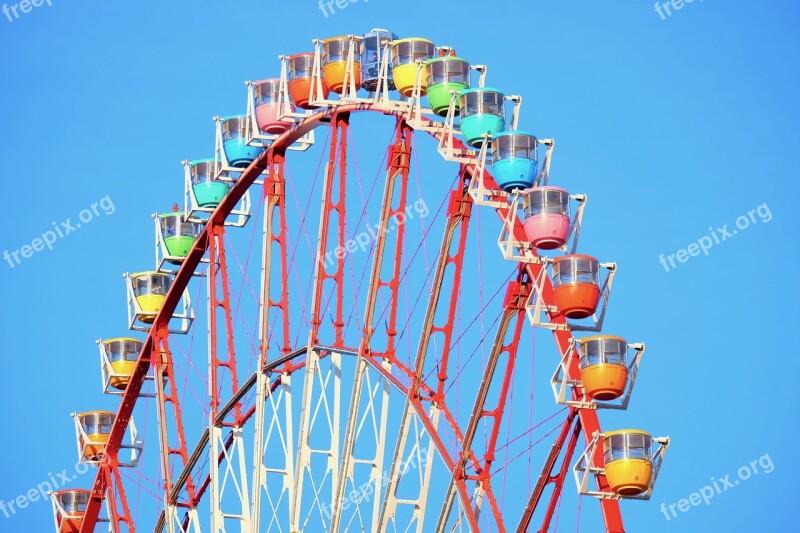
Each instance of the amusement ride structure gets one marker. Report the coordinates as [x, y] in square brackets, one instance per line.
[364, 377]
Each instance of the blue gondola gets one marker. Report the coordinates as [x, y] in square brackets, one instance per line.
[515, 160]
[234, 142]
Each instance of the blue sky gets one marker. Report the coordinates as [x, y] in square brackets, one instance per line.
[672, 125]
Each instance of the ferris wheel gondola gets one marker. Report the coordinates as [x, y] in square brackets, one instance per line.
[118, 358]
[69, 506]
[147, 292]
[373, 52]
[205, 186]
[409, 56]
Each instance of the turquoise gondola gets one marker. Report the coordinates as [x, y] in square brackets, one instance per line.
[208, 191]
[482, 111]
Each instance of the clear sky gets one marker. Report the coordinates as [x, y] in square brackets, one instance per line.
[675, 122]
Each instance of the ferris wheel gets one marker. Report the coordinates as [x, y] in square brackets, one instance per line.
[293, 365]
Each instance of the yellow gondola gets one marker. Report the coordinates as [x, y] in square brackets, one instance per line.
[150, 289]
[405, 54]
[604, 370]
[122, 354]
[95, 426]
[628, 461]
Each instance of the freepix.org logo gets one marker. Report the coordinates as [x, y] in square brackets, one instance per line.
[327, 6]
[363, 240]
[717, 487]
[665, 9]
[715, 237]
[59, 230]
[365, 492]
[41, 491]
[15, 11]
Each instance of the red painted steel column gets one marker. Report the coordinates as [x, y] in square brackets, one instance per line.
[513, 312]
[275, 202]
[547, 477]
[398, 166]
[459, 212]
[334, 201]
[218, 281]
[165, 367]
[515, 308]
[560, 477]
[117, 517]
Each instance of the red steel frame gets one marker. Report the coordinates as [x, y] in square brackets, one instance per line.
[218, 278]
[333, 201]
[156, 354]
[275, 200]
[165, 378]
[118, 510]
